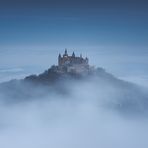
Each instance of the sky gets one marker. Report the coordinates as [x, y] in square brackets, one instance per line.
[69, 22]
[113, 34]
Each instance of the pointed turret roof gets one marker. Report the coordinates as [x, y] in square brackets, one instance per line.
[73, 54]
[65, 54]
[59, 55]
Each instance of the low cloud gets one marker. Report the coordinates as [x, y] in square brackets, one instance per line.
[100, 112]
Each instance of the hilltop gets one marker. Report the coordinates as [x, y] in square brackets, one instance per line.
[69, 66]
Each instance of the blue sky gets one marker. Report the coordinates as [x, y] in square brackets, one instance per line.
[96, 22]
[114, 34]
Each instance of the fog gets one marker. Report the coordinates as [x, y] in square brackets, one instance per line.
[100, 112]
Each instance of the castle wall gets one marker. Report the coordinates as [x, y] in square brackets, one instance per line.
[71, 60]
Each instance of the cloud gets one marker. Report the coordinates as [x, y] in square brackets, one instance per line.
[74, 113]
[11, 70]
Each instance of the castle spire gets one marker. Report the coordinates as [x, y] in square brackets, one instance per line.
[65, 54]
[73, 54]
[59, 59]
[65, 51]
[59, 55]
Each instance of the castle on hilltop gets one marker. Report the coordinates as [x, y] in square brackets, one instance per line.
[72, 63]
[67, 60]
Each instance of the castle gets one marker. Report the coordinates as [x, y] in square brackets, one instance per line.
[72, 63]
[67, 60]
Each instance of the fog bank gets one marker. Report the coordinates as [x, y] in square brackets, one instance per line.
[100, 112]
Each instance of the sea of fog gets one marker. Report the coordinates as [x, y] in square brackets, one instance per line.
[81, 119]
[86, 117]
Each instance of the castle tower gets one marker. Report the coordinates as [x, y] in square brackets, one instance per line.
[73, 54]
[59, 59]
[65, 54]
